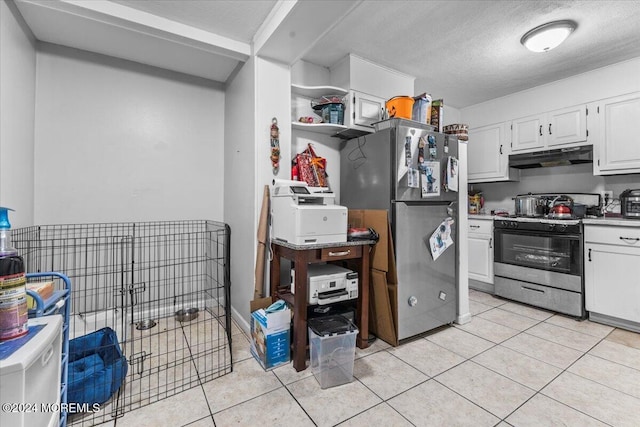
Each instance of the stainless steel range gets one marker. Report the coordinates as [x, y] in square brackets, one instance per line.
[539, 261]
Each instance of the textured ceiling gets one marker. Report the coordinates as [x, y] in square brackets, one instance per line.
[470, 51]
[466, 52]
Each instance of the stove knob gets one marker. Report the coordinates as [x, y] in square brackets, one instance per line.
[514, 224]
[563, 227]
[551, 226]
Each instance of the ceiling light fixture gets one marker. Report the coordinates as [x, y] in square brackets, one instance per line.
[548, 36]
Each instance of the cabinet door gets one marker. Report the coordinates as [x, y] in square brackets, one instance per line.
[609, 288]
[618, 129]
[367, 109]
[567, 126]
[527, 133]
[488, 154]
[481, 258]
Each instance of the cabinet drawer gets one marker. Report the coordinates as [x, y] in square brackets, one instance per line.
[612, 235]
[341, 252]
[480, 226]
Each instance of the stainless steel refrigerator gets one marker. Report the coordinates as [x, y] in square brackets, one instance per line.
[378, 171]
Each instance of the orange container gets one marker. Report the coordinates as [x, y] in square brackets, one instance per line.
[400, 107]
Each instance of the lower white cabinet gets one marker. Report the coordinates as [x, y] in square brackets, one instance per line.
[481, 254]
[612, 287]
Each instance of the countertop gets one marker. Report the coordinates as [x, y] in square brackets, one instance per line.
[485, 217]
[322, 245]
[622, 222]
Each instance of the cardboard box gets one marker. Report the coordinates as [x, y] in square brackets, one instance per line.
[270, 337]
[437, 113]
[44, 289]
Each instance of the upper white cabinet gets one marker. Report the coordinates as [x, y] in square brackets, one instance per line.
[366, 77]
[556, 129]
[488, 153]
[526, 133]
[616, 150]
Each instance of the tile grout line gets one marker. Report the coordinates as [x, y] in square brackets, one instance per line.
[539, 392]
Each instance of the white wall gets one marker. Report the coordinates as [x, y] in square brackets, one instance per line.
[122, 141]
[253, 99]
[17, 105]
[602, 83]
[239, 186]
[605, 82]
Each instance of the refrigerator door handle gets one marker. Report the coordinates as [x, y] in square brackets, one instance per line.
[451, 209]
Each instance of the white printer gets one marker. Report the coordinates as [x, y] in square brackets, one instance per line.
[328, 283]
[303, 218]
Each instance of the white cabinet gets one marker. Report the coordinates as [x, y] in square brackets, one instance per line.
[612, 290]
[526, 133]
[488, 154]
[616, 150]
[481, 254]
[374, 79]
[566, 127]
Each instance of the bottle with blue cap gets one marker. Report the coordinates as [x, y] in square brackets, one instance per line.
[13, 285]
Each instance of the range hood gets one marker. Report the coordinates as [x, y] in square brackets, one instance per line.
[547, 158]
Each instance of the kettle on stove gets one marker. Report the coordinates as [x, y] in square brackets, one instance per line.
[561, 207]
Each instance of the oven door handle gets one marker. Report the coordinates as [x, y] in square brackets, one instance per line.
[536, 234]
[532, 289]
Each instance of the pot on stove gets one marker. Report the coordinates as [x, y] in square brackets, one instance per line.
[530, 205]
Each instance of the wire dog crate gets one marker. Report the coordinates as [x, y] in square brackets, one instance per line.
[161, 290]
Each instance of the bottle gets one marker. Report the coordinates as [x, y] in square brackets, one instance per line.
[13, 285]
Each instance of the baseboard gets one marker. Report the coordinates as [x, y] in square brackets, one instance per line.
[462, 319]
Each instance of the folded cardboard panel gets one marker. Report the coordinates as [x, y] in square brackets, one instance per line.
[383, 321]
[378, 220]
[383, 294]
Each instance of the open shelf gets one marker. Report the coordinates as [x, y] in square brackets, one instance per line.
[323, 128]
[317, 91]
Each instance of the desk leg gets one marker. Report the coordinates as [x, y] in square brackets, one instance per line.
[363, 299]
[275, 273]
[300, 312]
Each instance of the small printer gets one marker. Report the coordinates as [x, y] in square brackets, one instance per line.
[304, 218]
[328, 283]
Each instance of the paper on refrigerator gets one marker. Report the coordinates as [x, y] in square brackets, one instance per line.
[441, 239]
[430, 185]
[452, 174]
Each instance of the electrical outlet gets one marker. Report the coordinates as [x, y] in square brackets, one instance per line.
[607, 196]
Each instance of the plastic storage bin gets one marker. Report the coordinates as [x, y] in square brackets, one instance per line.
[332, 342]
[30, 375]
[332, 113]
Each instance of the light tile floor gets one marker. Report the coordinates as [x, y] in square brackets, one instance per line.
[512, 365]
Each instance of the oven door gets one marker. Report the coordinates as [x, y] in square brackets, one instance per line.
[546, 252]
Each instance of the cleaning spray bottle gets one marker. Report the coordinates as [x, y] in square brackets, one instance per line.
[13, 285]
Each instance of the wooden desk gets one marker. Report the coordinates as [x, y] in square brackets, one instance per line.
[302, 256]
